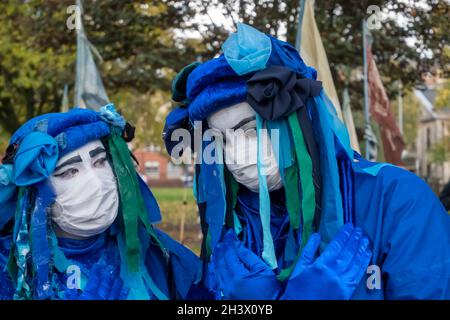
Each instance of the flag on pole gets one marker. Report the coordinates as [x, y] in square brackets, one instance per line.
[89, 90]
[348, 118]
[313, 52]
[380, 109]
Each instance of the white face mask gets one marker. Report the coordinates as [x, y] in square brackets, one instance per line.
[87, 200]
[238, 125]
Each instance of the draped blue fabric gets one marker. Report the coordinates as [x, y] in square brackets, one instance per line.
[8, 191]
[283, 54]
[247, 210]
[408, 228]
[36, 159]
[409, 231]
[150, 201]
[248, 215]
[7, 286]
[40, 248]
[332, 212]
[212, 191]
[181, 272]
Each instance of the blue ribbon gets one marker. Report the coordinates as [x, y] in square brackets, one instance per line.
[268, 253]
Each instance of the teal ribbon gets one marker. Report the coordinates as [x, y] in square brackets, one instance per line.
[137, 281]
[268, 253]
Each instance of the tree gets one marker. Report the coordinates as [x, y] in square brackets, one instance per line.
[440, 151]
[340, 26]
[37, 51]
[443, 96]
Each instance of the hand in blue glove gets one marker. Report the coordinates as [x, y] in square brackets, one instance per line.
[241, 274]
[335, 274]
[103, 284]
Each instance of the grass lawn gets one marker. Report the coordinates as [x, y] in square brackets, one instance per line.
[172, 205]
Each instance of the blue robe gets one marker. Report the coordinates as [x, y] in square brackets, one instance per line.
[174, 279]
[408, 228]
[410, 234]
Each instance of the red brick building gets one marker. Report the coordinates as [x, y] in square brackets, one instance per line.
[158, 171]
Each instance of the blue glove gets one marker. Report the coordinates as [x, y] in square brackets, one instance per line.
[103, 284]
[241, 274]
[335, 274]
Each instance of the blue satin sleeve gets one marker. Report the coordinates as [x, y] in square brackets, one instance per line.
[6, 285]
[410, 233]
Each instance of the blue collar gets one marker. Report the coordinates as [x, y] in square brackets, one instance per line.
[75, 247]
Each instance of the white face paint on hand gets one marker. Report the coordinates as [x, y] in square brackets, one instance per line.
[87, 199]
[237, 124]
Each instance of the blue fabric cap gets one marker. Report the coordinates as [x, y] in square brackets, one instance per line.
[75, 137]
[72, 129]
[55, 123]
[207, 74]
[109, 115]
[216, 97]
[36, 158]
[247, 50]
[179, 83]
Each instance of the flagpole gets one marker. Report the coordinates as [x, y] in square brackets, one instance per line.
[366, 86]
[298, 37]
[400, 106]
[79, 26]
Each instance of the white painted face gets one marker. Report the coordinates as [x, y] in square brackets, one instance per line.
[237, 124]
[87, 200]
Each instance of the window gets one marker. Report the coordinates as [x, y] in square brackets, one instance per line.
[174, 171]
[152, 169]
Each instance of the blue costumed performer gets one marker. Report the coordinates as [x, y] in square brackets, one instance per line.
[307, 219]
[76, 220]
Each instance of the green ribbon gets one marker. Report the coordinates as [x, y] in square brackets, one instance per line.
[292, 195]
[133, 206]
[306, 177]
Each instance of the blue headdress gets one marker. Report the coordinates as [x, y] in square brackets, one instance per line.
[316, 166]
[26, 197]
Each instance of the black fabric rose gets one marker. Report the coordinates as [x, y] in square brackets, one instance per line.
[278, 91]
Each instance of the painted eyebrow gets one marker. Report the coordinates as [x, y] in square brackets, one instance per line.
[70, 161]
[244, 121]
[96, 151]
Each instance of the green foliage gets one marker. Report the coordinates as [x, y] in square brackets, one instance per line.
[37, 51]
[172, 205]
[142, 48]
[173, 194]
[340, 24]
[443, 96]
[440, 151]
[411, 115]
